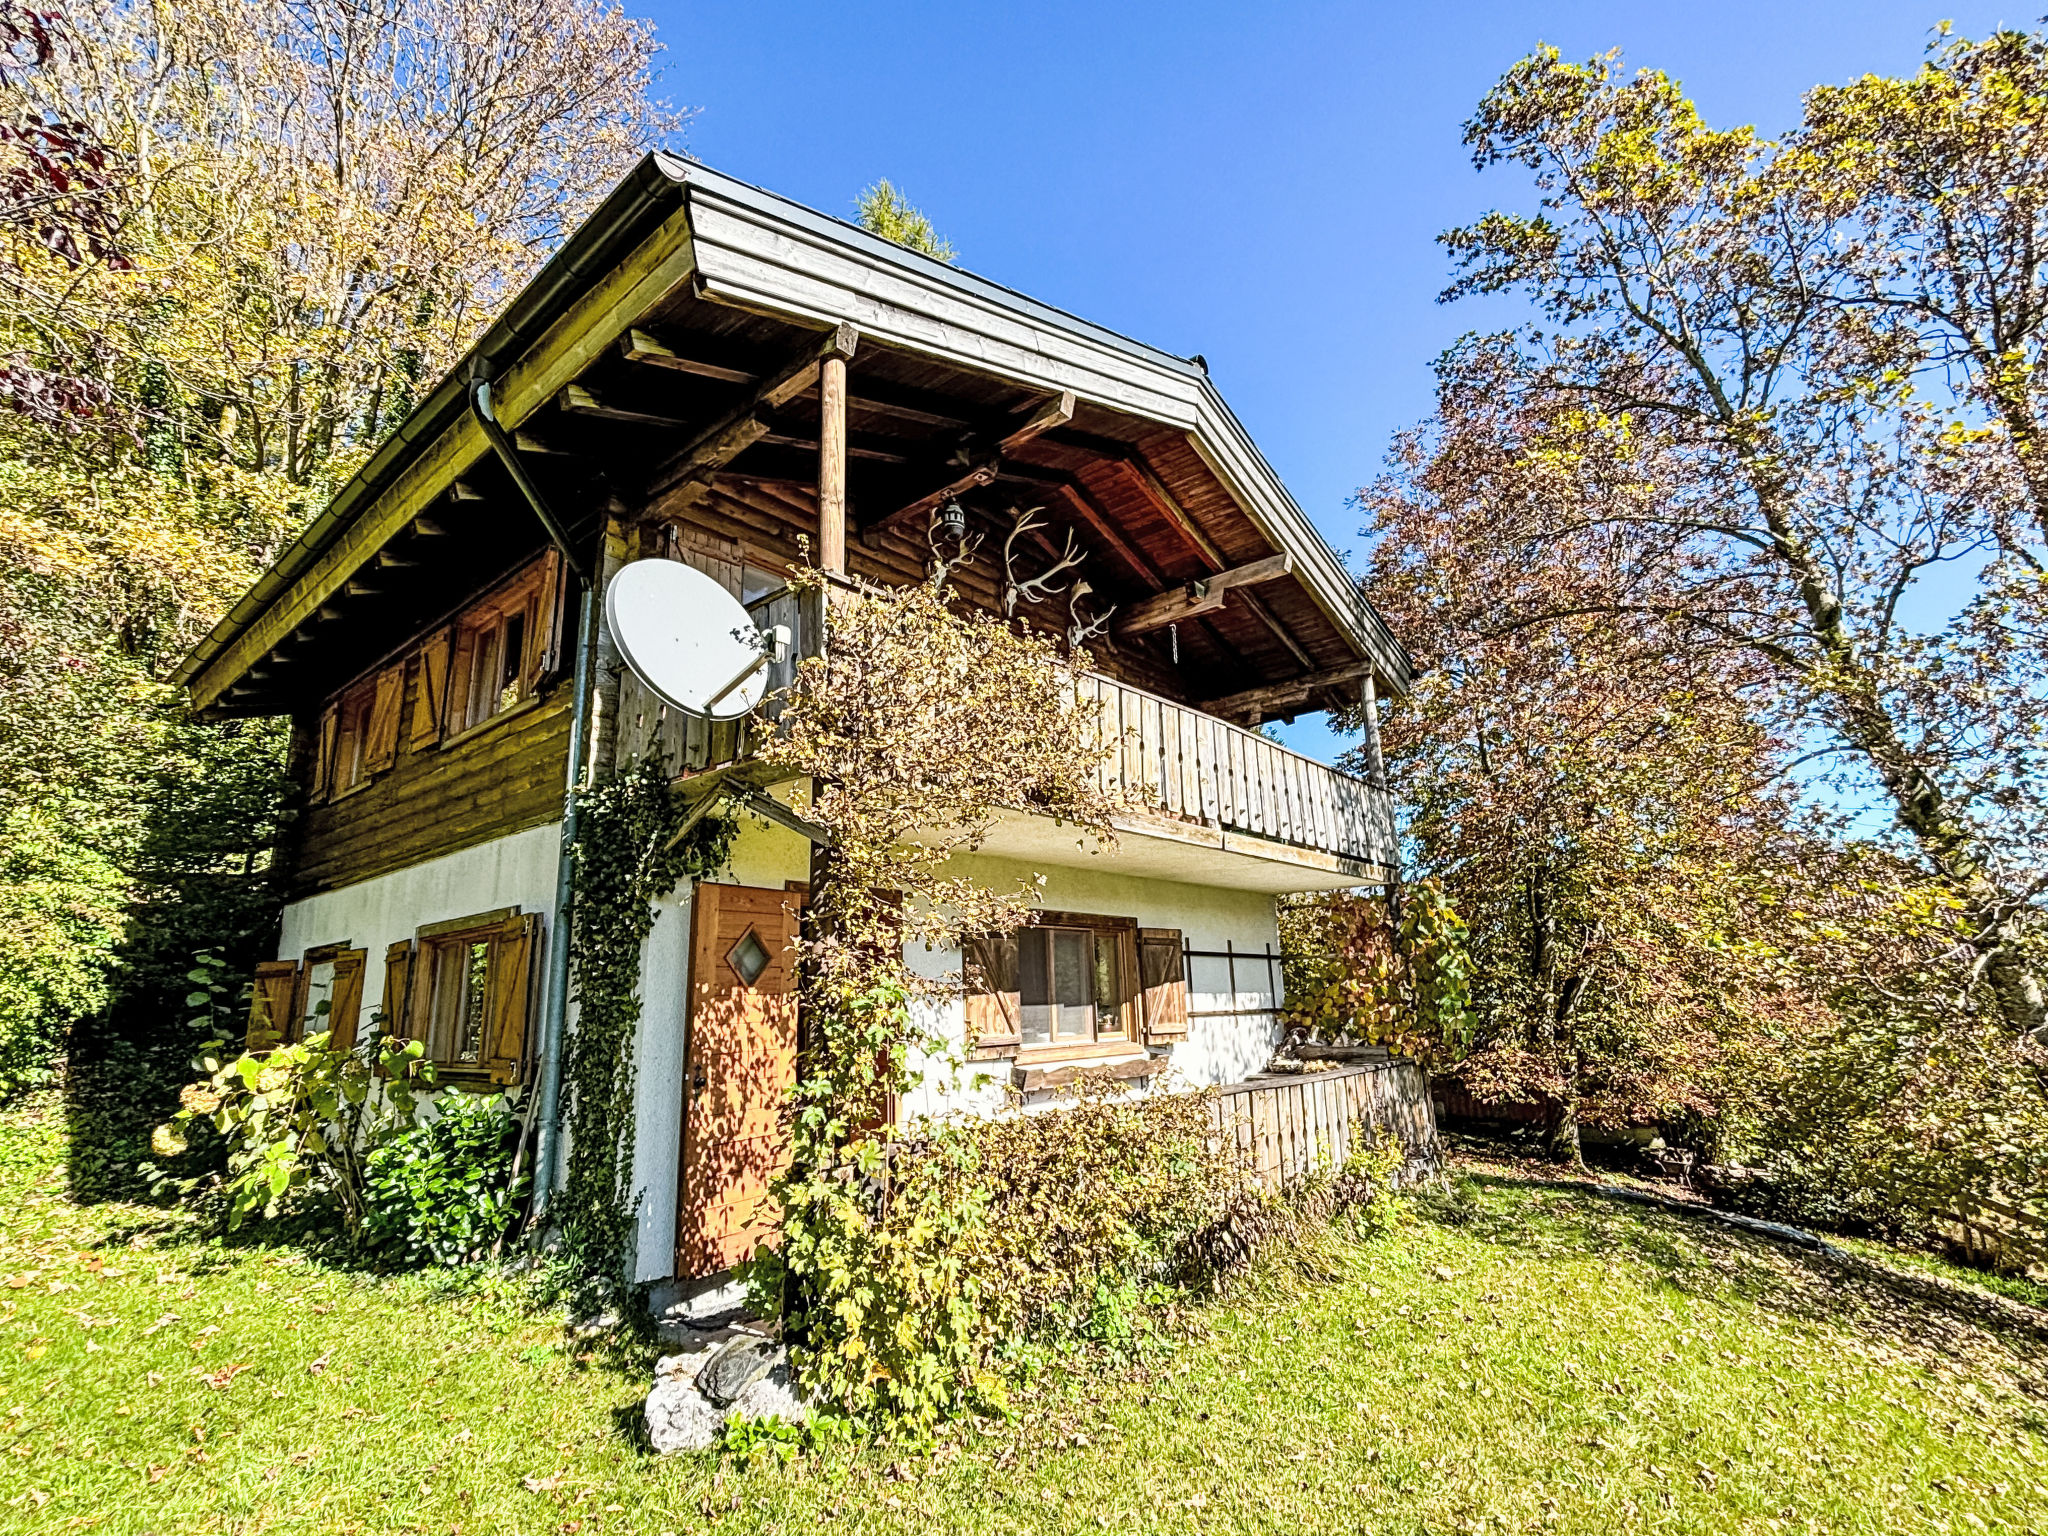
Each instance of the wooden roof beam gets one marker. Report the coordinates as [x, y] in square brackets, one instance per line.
[638, 346]
[738, 430]
[1055, 412]
[1135, 466]
[1199, 597]
[1270, 698]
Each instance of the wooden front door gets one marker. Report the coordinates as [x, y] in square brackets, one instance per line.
[740, 1066]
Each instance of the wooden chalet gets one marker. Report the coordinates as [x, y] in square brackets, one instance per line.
[710, 373]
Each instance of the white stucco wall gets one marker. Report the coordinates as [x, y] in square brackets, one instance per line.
[516, 871]
[1218, 1049]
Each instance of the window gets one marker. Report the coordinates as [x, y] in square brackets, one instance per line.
[297, 998]
[464, 990]
[462, 674]
[500, 649]
[1067, 982]
[1070, 987]
[359, 733]
[352, 738]
[1073, 982]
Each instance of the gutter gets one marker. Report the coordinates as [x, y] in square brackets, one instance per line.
[649, 194]
[555, 1000]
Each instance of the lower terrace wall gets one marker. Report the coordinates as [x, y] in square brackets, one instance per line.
[1290, 1128]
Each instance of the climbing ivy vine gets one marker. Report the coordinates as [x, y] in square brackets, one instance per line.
[627, 857]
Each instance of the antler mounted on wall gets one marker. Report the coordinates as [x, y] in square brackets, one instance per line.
[1035, 589]
[1081, 627]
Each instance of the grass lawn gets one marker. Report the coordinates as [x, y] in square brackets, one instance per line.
[1523, 1357]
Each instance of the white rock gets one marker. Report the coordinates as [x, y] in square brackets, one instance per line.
[772, 1397]
[678, 1417]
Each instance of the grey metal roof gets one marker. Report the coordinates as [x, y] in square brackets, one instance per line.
[762, 250]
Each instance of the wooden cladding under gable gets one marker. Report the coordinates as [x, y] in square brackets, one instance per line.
[448, 757]
[494, 781]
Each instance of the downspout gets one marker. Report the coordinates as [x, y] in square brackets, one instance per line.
[555, 1001]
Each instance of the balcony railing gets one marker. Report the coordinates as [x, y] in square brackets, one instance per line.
[1196, 768]
[1170, 760]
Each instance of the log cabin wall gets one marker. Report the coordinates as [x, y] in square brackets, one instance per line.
[501, 777]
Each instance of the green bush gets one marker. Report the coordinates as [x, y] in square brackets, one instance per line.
[912, 1271]
[296, 1122]
[442, 1192]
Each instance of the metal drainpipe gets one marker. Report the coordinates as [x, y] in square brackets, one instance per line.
[555, 1003]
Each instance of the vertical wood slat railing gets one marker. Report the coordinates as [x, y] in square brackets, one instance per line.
[1169, 758]
[1197, 768]
[1290, 1128]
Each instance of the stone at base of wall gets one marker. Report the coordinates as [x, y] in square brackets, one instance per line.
[731, 1374]
[700, 1303]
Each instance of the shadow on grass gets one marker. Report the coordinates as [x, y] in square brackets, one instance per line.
[1699, 1257]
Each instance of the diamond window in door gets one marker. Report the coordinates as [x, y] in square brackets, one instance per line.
[748, 958]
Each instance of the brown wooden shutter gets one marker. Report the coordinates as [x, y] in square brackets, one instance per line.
[993, 1003]
[397, 984]
[323, 751]
[550, 621]
[1163, 972]
[430, 698]
[419, 995]
[507, 1001]
[270, 1005]
[345, 1002]
[380, 749]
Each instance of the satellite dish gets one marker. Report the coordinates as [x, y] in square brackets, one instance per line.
[689, 640]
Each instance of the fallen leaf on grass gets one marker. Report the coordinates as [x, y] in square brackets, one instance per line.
[221, 1379]
[156, 1474]
[163, 1322]
[543, 1484]
[317, 1366]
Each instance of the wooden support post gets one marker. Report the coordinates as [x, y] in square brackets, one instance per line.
[832, 464]
[1375, 759]
[1270, 698]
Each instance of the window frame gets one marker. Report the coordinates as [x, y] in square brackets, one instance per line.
[521, 601]
[1116, 1028]
[352, 710]
[514, 942]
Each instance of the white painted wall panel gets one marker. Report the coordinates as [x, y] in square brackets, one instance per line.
[516, 871]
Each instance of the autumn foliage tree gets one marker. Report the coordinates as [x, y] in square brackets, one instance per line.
[236, 241]
[1708, 298]
[1595, 794]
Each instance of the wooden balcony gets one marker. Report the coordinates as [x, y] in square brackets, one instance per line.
[1176, 768]
[1191, 767]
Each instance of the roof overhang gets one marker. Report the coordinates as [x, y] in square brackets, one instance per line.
[673, 226]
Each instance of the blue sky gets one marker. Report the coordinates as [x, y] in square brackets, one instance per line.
[1262, 184]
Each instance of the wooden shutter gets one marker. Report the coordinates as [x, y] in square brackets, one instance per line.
[270, 1004]
[397, 985]
[345, 1003]
[380, 750]
[508, 996]
[551, 620]
[1163, 973]
[430, 698]
[323, 751]
[419, 995]
[993, 1003]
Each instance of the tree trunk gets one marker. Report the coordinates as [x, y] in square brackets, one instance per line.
[1917, 798]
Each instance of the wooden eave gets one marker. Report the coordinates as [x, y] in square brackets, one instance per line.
[669, 310]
